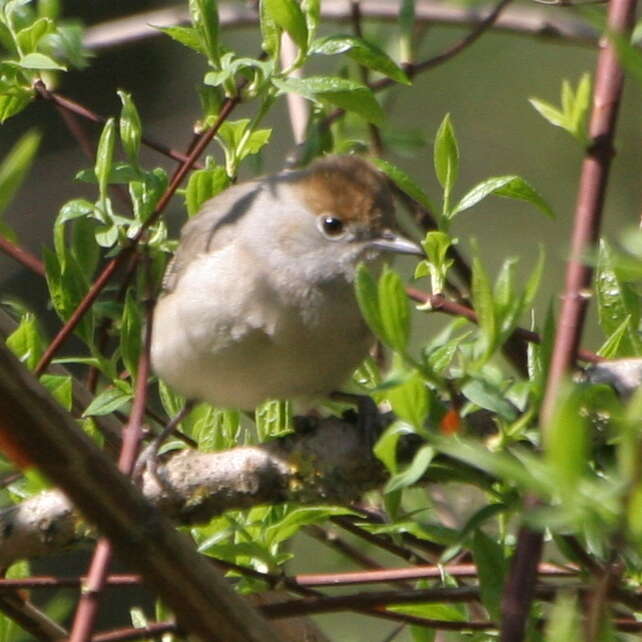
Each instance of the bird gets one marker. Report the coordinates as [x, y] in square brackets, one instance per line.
[258, 301]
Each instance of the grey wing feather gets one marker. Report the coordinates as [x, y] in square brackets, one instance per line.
[210, 229]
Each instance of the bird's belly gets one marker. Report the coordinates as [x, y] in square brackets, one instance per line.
[243, 363]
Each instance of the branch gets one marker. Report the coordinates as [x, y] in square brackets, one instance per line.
[198, 594]
[539, 22]
[22, 256]
[197, 486]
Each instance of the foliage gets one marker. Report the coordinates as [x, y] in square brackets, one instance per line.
[582, 464]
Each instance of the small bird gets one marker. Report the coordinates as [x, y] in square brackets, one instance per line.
[258, 302]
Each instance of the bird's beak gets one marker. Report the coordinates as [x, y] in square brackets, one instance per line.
[389, 241]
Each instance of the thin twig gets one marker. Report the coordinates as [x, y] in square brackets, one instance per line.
[439, 302]
[150, 631]
[22, 256]
[412, 573]
[437, 60]
[111, 267]
[88, 604]
[64, 104]
[381, 541]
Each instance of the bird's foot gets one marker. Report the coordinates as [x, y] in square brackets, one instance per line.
[148, 459]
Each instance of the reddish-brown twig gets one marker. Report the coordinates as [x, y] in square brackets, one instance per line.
[439, 302]
[439, 59]
[381, 541]
[154, 630]
[67, 105]
[411, 573]
[111, 267]
[87, 610]
[21, 255]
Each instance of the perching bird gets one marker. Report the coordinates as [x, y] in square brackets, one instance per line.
[258, 302]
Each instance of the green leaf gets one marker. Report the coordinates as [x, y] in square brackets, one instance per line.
[610, 349]
[566, 439]
[432, 611]
[14, 101]
[331, 90]
[410, 401]
[130, 127]
[68, 44]
[131, 333]
[83, 246]
[484, 514]
[485, 395]
[255, 143]
[40, 62]
[575, 106]
[629, 54]
[404, 182]
[29, 37]
[491, 569]
[106, 235]
[172, 402]
[104, 156]
[74, 209]
[484, 306]
[53, 274]
[270, 32]
[514, 187]
[288, 16]
[580, 107]
[446, 158]
[204, 184]
[362, 52]
[414, 471]
[60, 388]
[187, 36]
[120, 173]
[386, 447]
[15, 165]
[394, 309]
[368, 299]
[617, 301]
[231, 132]
[564, 621]
[300, 517]
[26, 341]
[312, 12]
[549, 112]
[436, 245]
[406, 29]
[535, 277]
[204, 14]
[107, 401]
[273, 419]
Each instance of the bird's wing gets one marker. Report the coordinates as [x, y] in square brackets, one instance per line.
[212, 228]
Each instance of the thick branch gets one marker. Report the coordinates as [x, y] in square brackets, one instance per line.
[200, 597]
[331, 464]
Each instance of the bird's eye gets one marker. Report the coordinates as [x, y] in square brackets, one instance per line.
[331, 226]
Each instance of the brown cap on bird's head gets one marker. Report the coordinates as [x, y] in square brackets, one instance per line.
[350, 187]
